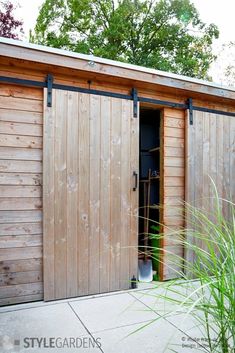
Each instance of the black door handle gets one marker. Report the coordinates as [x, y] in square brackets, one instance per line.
[136, 181]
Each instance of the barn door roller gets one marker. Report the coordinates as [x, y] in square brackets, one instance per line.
[49, 82]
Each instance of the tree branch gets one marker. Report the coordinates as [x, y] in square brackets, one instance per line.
[113, 6]
[143, 22]
[103, 12]
[153, 35]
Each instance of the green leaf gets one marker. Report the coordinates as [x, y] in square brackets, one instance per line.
[165, 34]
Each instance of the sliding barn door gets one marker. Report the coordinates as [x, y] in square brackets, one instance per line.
[210, 144]
[90, 207]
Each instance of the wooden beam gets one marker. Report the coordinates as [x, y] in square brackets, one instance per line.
[114, 69]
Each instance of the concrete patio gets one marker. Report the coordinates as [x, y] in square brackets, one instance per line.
[109, 323]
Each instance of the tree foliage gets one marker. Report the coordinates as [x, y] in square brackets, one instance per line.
[223, 68]
[9, 26]
[164, 34]
[230, 67]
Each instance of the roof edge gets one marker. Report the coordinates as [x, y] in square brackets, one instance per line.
[92, 58]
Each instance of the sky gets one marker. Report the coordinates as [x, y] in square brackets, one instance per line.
[220, 12]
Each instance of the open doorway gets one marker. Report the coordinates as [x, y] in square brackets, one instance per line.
[149, 187]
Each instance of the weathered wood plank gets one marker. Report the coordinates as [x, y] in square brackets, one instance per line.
[20, 141]
[199, 159]
[174, 162]
[83, 192]
[25, 71]
[174, 191]
[20, 116]
[9, 279]
[172, 230]
[16, 91]
[173, 181]
[115, 198]
[7, 266]
[72, 194]
[29, 252]
[21, 299]
[20, 241]
[173, 132]
[174, 211]
[60, 196]
[105, 194]
[173, 201]
[48, 198]
[232, 160]
[19, 290]
[94, 239]
[20, 191]
[172, 221]
[174, 113]
[174, 123]
[173, 151]
[213, 159]
[208, 154]
[174, 238]
[174, 171]
[13, 204]
[125, 195]
[134, 166]
[174, 142]
[161, 194]
[26, 154]
[173, 263]
[205, 162]
[220, 153]
[20, 179]
[19, 216]
[226, 165]
[94, 198]
[13, 128]
[20, 228]
[94, 244]
[11, 166]
[21, 104]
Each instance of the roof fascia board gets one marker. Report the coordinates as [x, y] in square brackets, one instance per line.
[58, 57]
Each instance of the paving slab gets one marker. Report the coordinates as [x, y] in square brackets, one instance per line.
[111, 311]
[112, 319]
[191, 325]
[173, 313]
[158, 337]
[155, 297]
[17, 328]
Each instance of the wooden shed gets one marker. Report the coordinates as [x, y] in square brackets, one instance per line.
[78, 137]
